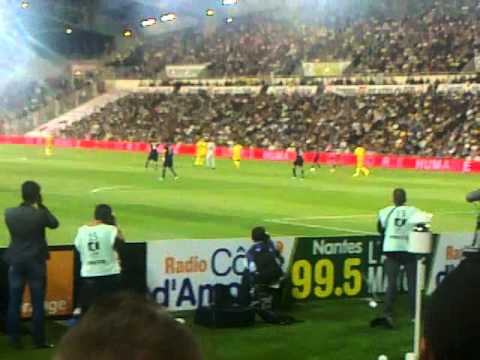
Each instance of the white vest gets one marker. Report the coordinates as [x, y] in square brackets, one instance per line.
[95, 245]
[398, 227]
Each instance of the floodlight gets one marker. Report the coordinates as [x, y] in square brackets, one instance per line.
[148, 22]
[127, 33]
[229, 2]
[168, 17]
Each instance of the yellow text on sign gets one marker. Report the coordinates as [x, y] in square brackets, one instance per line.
[320, 278]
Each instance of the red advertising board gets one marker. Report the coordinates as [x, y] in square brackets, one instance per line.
[373, 160]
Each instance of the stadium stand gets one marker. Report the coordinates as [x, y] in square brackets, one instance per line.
[35, 102]
[432, 42]
[441, 38]
[438, 40]
[429, 124]
[253, 47]
[77, 114]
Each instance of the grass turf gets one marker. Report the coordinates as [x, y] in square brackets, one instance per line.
[226, 203]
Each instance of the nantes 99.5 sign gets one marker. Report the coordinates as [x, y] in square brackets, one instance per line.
[325, 268]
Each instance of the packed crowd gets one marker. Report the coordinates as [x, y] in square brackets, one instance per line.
[430, 124]
[439, 40]
[434, 42]
[252, 48]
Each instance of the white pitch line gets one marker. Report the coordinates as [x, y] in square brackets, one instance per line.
[293, 222]
[5, 159]
[329, 217]
[109, 188]
[345, 217]
[321, 227]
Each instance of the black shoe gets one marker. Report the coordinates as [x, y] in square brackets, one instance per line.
[44, 346]
[385, 322]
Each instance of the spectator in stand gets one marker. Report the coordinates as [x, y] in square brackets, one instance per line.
[125, 327]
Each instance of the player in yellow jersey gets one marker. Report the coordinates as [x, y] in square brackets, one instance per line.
[49, 143]
[361, 168]
[201, 152]
[237, 155]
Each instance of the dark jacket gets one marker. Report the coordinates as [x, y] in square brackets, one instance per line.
[26, 225]
[264, 263]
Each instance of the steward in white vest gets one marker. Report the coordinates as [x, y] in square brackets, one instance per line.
[394, 224]
[100, 265]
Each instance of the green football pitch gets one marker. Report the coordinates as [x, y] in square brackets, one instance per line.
[226, 203]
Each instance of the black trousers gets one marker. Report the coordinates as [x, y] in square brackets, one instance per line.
[94, 288]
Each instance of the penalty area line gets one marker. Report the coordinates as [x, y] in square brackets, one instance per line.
[110, 188]
[329, 217]
[313, 226]
[359, 216]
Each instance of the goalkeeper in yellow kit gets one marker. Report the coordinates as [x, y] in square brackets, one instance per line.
[361, 168]
[237, 155]
[201, 152]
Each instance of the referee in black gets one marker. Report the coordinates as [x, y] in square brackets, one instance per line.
[152, 156]
[168, 162]
[298, 163]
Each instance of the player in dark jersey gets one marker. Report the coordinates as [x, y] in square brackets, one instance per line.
[316, 161]
[332, 157]
[168, 162]
[298, 163]
[152, 156]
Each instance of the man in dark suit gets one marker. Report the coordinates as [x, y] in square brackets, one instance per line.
[27, 257]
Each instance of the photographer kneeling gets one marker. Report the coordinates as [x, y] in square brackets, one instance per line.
[264, 276]
[97, 244]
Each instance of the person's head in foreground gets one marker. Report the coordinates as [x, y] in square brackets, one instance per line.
[452, 319]
[128, 327]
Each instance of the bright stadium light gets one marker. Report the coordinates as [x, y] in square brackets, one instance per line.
[210, 12]
[25, 4]
[168, 17]
[148, 22]
[229, 2]
[229, 20]
[68, 29]
[127, 33]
